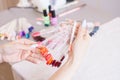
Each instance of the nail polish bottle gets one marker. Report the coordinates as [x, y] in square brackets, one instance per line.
[50, 38]
[53, 18]
[49, 8]
[46, 18]
[21, 34]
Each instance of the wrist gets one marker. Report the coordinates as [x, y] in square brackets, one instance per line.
[76, 57]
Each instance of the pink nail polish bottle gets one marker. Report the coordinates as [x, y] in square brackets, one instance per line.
[53, 18]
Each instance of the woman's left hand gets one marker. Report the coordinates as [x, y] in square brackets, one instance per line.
[20, 50]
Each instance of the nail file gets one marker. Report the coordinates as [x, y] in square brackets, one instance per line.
[84, 23]
[13, 32]
[73, 32]
[20, 28]
[26, 24]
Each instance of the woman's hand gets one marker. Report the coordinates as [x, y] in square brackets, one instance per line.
[20, 50]
[80, 45]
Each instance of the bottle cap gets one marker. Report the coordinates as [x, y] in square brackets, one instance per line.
[53, 13]
[49, 7]
[44, 12]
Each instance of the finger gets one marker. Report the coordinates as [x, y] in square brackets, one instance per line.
[33, 60]
[25, 41]
[29, 42]
[38, 56]
[24, 47]
[25, 54]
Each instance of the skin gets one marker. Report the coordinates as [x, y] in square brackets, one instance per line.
[20, 50]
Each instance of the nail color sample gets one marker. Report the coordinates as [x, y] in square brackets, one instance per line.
[27, 35]
[23, 33]
[62, 58]
[53, 63]
[59, 64]
[46, 18]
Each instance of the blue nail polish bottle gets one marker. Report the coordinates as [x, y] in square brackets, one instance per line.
[22, 33]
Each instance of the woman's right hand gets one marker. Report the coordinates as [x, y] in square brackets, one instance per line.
[80, 45]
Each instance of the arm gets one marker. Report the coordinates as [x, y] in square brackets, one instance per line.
[76, 55]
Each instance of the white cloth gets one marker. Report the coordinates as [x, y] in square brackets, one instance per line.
[103, 58]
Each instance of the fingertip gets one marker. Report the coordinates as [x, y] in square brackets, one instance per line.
[33, 60]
